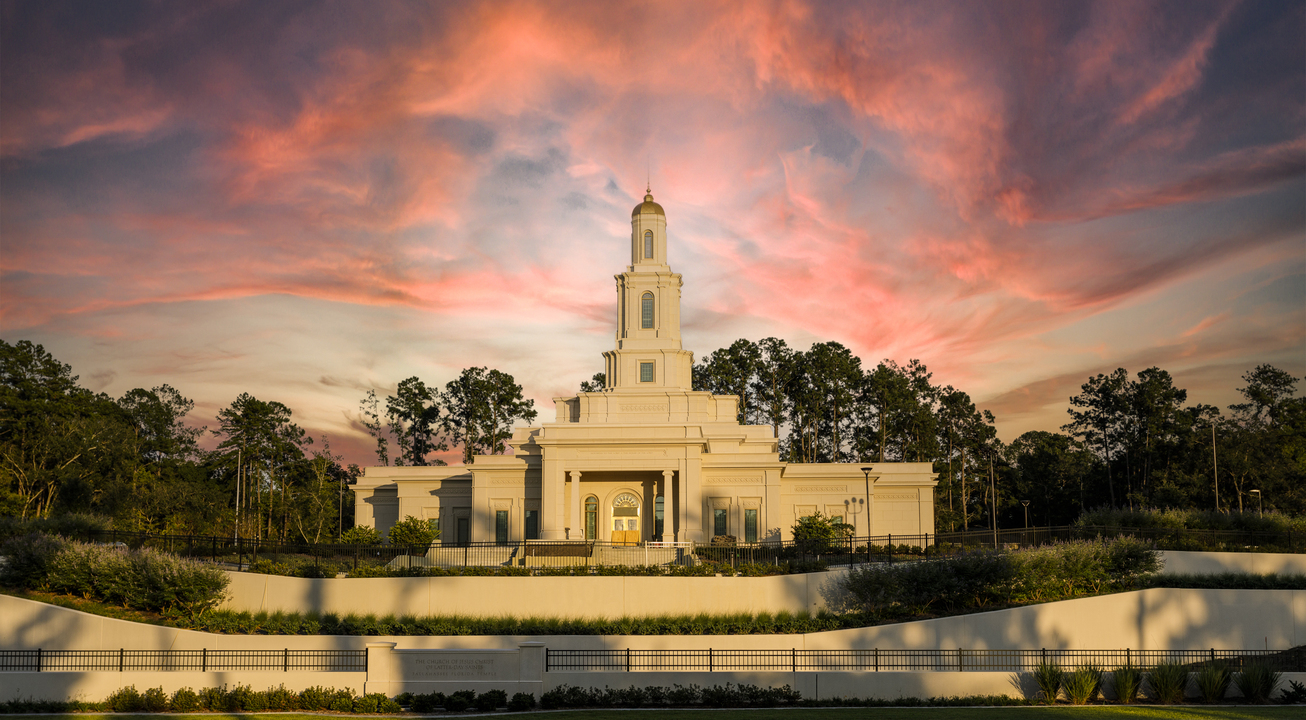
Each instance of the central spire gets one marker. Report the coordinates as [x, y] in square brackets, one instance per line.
[648, 355]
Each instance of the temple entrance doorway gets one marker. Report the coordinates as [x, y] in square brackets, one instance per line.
[625, 520]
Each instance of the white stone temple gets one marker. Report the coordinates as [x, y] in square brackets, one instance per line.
[647, 458]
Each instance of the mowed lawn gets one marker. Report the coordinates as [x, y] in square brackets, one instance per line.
[941, 713]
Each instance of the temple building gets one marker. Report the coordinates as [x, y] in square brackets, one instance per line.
[647, 458]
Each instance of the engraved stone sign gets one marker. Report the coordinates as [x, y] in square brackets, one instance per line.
[450, 665]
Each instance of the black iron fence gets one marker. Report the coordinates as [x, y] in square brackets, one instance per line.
[182, 660]
[885, 660]
[328, 559]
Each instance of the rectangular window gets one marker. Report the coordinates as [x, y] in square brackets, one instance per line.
[532, 524]
[501, 527]
[657, 516]
[750, 525]
[646, 372]
[464, 530]
[719, 524]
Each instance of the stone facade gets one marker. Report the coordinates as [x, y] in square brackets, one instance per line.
[647, 458]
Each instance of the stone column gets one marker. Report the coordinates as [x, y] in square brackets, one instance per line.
[552, 505]
[668, 508]
[531, 679]
[577, 522]
[380, 668]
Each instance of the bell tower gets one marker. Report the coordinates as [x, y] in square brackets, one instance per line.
[648, 355]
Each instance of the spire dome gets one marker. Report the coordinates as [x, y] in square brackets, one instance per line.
[648, 207]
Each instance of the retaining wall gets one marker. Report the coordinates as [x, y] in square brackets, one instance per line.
[570, 597]
[1154, 619]
[1179, 562]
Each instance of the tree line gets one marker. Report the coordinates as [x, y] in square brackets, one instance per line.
[476, 411]
[1127, 443]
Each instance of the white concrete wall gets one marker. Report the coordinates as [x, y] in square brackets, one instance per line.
[1156, 619]
[96, 686]
[1208, 563]
[590, 596]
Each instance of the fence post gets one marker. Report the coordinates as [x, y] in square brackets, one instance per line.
[877, 659]
[793, 659]
[121, 653]
[1129, 658]
[204, 660]
[39, 659]
[627, 659]
[709, 659]
[890, 546]
[960, 664]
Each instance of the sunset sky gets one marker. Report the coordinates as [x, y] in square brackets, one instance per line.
[304, 200]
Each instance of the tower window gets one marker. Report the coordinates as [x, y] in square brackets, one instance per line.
[646, 311]
[648, 244]
[646, 372]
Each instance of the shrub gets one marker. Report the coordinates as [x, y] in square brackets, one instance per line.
[459, 701]
[143, 579]
[342, 701]
[411, 531]
[491, 700]
[126, 699]
[817, 534]
[1213, 682]
[279, 699]
[1297, 693]
[361, 535]
[1128, 680]
[1049, 678]
[154, 700]
[212, 699]
[1083, 685]
[315, 698]
[375, 703]
[1257, 681]
[1169, 682]
[521, 702]
[29, 559]
[427, 702]
[185, 700]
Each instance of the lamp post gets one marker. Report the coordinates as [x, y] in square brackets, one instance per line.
[1026, 504]
[866, 473]
[1260, 506]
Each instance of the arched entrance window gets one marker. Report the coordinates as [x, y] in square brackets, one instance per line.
[591, 518]
[648, 244]
[625, 520]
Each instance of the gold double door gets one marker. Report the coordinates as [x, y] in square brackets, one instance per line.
[625, 531]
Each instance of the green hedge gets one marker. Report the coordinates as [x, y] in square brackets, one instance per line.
[984, 579]
[74, 525]
[1247, 521]
[318, 569]
[143, 579]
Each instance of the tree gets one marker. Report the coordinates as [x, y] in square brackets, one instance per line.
[771, 384]
[817, 534]
[594, 384]
[413, 415]
[1101, 404]
[54, 435]
[412, 531]
[731, 371]
[264, 441]
[481, 407]
[370, 409]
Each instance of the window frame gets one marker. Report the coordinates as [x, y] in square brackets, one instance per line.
[750, 525]
[652, 372]
[720, 522]
[591, 529]
[502, 527]
[648, 245]
[647, 319]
